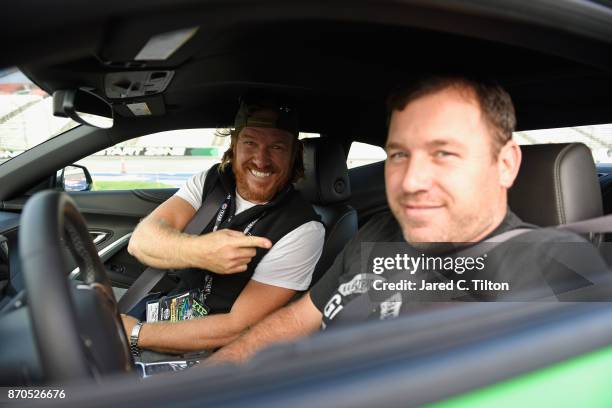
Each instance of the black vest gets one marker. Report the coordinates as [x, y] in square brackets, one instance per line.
[287, 211]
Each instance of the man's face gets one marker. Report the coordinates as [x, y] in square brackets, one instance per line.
[262, 162]
[442, 182]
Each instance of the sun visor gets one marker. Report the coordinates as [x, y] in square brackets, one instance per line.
[161, 46]
[149, 42]
[141, 107]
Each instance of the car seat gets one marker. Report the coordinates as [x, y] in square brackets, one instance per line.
[557, 184]
[326, 186]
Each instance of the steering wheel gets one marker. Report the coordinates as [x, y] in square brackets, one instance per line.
[77, 327]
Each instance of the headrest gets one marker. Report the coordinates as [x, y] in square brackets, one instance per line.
[325, 173]
[556, 184]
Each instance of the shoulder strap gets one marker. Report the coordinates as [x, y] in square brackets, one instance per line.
[212, 198]
[594, 225]
[489, 244]
[151, 276]
[591, 226]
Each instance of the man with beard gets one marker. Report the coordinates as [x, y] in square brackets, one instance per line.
[260, 249]
[450, 162]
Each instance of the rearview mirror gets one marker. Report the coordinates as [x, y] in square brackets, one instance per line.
[83, 107]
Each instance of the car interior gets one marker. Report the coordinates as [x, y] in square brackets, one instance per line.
[336, 68]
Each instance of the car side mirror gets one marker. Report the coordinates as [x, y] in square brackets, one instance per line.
[75, 178]
[83, 107]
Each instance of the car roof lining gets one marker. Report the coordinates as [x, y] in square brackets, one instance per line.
[340, 66]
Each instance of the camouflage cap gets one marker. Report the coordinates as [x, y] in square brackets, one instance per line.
[266, 114]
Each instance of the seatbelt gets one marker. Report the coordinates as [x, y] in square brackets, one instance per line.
[491, 243]
[359, 308]
[599, 225]
[151, 276]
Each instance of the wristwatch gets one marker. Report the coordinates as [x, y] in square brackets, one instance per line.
[134, 339]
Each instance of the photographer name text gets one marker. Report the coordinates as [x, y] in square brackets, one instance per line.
[461, 284]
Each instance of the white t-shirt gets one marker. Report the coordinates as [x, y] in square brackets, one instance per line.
[291, 261]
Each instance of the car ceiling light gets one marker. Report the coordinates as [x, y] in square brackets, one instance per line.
[162, 46]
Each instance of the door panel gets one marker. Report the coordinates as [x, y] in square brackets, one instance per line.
[113, 214]
[116, 214]
[126, 203]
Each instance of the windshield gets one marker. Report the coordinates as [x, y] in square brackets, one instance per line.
[26, 115]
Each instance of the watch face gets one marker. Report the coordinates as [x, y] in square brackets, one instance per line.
[135, 333]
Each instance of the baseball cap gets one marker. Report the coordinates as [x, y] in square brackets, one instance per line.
[266, 113]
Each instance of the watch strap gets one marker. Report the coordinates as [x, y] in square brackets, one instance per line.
[134, 339]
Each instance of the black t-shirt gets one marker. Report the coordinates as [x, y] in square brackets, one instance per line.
[536, 264]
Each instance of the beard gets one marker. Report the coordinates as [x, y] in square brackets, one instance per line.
[255, 192]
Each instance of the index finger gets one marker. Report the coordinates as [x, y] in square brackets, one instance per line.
[253, 241]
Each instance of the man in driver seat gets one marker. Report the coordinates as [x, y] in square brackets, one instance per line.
[259, 249]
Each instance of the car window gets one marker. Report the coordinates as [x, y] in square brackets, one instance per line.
[361, 154]
[308, 135]
[598, 138]
[159, 160]
[26, 117]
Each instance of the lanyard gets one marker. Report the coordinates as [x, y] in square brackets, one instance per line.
[226, 203]
[223, 209]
